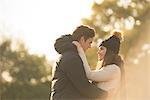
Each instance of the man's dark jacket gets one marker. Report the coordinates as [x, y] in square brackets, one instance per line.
[69, 80]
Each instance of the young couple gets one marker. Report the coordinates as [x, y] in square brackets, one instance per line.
[72, 73]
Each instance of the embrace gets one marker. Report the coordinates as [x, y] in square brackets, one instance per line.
[74, 80]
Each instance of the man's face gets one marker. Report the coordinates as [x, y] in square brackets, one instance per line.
[85, 43]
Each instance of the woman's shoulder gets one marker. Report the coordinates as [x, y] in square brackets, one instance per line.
[112, 67]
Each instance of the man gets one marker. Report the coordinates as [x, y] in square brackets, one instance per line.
[70, 81]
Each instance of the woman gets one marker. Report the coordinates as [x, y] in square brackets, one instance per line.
[110, 75]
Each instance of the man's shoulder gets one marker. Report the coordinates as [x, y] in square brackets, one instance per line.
[70, 56]
[71, 60]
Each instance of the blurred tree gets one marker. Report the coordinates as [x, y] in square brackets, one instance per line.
[127, 15]
[24, 76]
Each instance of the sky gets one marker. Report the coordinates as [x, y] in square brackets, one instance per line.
[39, 22]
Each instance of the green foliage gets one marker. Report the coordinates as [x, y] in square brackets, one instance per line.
[129, 16]
[24, 76]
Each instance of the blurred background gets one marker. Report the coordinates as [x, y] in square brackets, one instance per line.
[29, 28]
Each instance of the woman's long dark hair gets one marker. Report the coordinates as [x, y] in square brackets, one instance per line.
[112, 58]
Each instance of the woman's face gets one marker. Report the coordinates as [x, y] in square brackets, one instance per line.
[101, 52]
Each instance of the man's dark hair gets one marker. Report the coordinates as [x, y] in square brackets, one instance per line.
[84, 31]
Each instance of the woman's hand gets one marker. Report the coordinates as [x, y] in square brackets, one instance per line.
[79, 48]
[77, 44]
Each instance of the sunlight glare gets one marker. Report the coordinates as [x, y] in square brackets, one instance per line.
[136, 61]
[6, 76]
[99, 1]
[129, 23]
[40, 22]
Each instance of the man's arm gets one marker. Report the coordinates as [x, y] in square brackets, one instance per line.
[76, 74]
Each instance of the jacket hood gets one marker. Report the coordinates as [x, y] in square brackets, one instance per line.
[64, 43]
